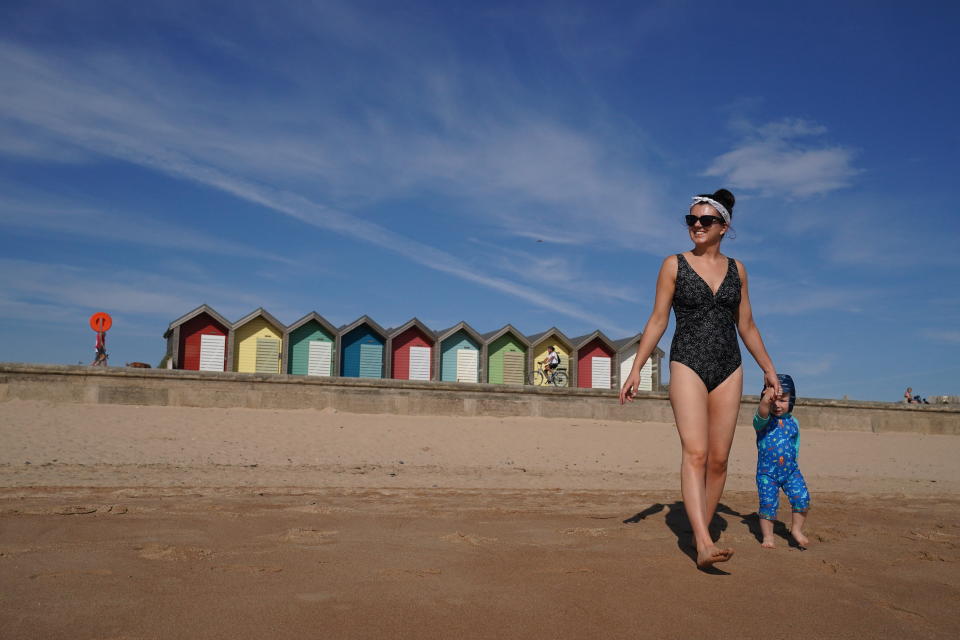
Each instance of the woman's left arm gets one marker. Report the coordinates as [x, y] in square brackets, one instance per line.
[751, 335]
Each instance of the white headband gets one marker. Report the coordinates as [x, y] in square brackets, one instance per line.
[722, 210]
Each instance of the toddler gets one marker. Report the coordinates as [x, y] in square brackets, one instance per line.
[778, 447]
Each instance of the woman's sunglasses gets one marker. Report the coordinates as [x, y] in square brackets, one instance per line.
[705, 221]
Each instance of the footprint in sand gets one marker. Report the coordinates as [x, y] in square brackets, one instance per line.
[932, 535]
[468, 538]
[115, 509]
[155, 551]
[308, 537]
[904, 613]
[75, 510]
[315, 597]
[827, 534]
[420, 573]
[584, 531]
[14, 549]
[246, 568]
[831, 567]
[566, 570]
[932, 557]
[319, 509]
[64, 574]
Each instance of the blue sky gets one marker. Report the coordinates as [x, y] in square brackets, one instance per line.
[491, 162]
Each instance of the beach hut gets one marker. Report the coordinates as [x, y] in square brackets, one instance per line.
[506, 357]
[649, 372]
[362, 349]
[411, 351]
[561, 343]
[257, 340]
[197, 341]
[460, 354]
[311, 347]
[596, 355]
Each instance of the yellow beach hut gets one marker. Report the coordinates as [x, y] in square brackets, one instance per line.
[257, 343]
[555, 338]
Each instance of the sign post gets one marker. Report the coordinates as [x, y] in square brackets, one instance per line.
[100, 322]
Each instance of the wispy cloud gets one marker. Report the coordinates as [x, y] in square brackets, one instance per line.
[867, 230]
[785, 158]
[100, 111]
[807, 366]
[31, 290]
[806, 296]
[128, 228]
[36, 145]
[949, 336]
[555, 272]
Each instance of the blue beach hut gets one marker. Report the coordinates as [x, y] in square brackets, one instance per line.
[362, 349]
[461, 354]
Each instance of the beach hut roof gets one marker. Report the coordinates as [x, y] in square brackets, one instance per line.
[581, 341]
[625, 343]
[507, 328]
[367, 320]
[443, 334]
[262, 313]
[552, 331]
[413, 322]
[316, 317]
[193, 314]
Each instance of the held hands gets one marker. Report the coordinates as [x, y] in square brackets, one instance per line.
[630, 387]
[771, 382]
[766, 400]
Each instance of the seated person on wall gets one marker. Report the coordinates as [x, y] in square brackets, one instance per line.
[909, 398]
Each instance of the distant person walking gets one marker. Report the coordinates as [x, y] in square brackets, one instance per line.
[100, 350]
[708, 292]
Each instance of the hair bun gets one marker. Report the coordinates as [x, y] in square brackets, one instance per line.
[724, 197]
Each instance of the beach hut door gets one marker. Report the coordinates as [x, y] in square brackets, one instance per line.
[646, 372]
[625, 367]
[513, 367]
[268, 355]
[419, 363]
[646, 375]
[371, 361]
[212, 349]
[600, 373]
[318, 360]
[466, 365]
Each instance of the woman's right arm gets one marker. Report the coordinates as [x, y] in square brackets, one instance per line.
[656, 325]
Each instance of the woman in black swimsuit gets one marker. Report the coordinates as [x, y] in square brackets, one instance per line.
[708, 292]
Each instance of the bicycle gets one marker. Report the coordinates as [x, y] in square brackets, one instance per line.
[540, 377]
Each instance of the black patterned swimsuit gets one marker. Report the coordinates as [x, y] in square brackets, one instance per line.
[706, 336]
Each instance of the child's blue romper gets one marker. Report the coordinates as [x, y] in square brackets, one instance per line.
[778, 446]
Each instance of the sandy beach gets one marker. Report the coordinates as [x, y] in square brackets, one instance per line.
[158, 522]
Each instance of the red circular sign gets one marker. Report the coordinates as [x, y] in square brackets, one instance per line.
[101, 322]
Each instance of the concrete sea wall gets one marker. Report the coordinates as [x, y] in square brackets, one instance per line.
[165, 387]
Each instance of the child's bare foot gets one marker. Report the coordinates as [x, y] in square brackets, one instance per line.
[801, 539]
[710, 556]
[768, 543]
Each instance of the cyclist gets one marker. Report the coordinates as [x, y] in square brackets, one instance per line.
[551, 362]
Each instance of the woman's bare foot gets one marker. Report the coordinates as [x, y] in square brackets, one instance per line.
[768, 543]
[710, 556]
[801, 539]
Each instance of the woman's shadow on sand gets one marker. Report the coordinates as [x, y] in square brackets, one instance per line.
[677, 521]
